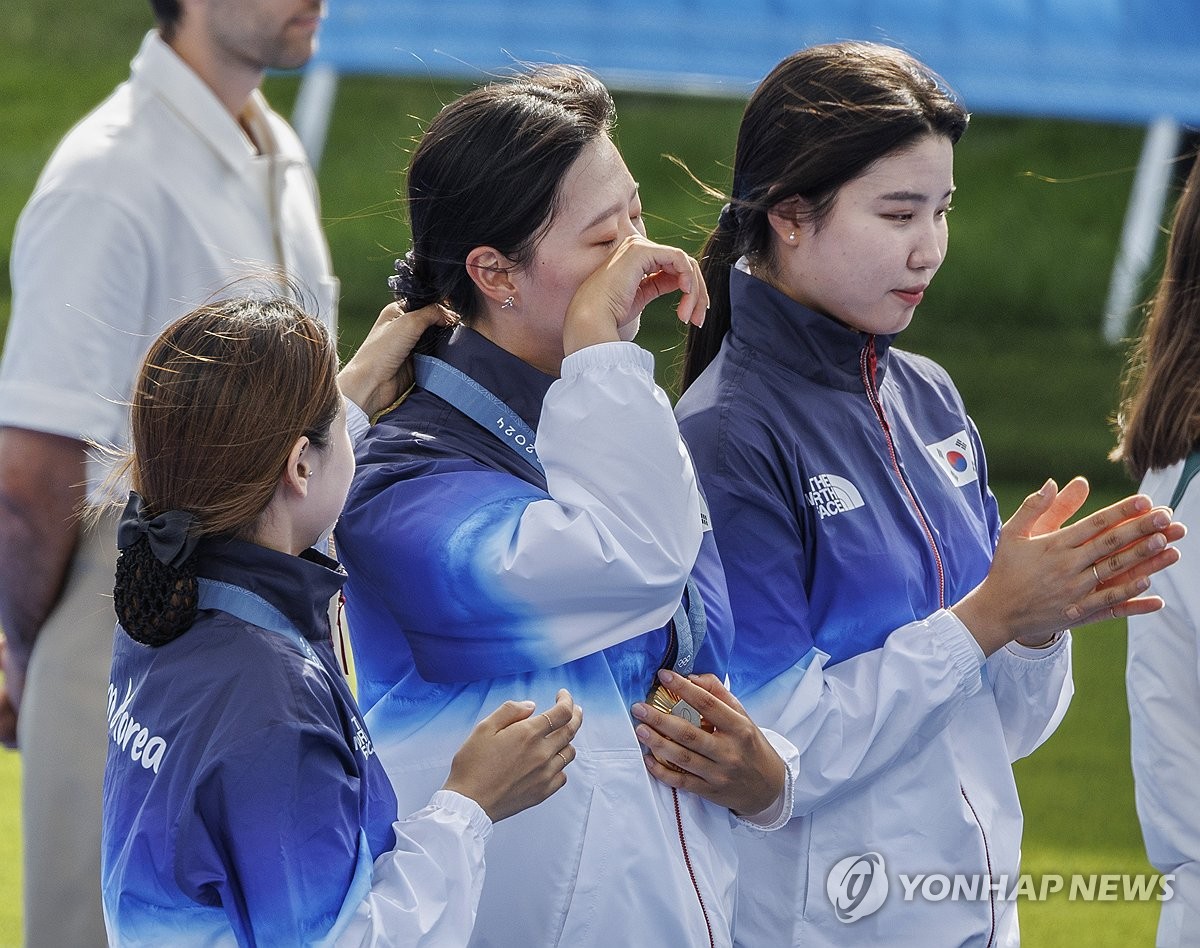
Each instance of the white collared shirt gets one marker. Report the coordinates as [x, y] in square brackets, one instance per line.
[153, 204]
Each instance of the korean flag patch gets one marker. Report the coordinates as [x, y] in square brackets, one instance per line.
[955, 457]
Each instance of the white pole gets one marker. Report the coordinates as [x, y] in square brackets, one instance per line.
[1143, 219]
[314, 104]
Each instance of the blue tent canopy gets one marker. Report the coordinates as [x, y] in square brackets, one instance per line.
[1104, 60]
[1114, 60]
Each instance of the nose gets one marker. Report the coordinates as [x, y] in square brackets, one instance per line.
[628, 226]
[930, 249]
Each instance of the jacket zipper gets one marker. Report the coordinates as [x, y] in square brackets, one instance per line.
[987, 855]
[687, 859]
[869, 364]
[668, 661]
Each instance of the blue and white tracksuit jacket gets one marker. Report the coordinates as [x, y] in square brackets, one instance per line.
[474, 580]
[849, 498]
[243, 803]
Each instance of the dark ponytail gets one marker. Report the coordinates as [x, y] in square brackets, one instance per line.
[719, 254]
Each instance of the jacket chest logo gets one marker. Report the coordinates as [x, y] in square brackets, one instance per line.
[829, 495]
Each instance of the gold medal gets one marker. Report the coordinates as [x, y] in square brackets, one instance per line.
[666, 701]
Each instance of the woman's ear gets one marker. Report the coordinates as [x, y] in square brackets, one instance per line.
[787, 219]
[491, 272]
[298, 468]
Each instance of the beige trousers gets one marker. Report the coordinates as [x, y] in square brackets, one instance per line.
[63, 738]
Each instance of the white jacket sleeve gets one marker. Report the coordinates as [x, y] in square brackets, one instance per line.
[854, 720]
[1033, 689]
[1162, 677]
[515, 578]
[425, 892]
[357, 421]
[625, 498]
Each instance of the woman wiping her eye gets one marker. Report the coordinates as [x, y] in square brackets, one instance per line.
[528, 519]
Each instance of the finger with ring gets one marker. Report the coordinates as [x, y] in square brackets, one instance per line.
[1096, 573]
[563, 756]
[548, 721]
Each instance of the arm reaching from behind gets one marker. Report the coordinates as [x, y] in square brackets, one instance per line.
[380, 371]
[514, 760]
[425, 892]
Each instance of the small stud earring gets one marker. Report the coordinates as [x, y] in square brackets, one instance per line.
[508, 303]
[792, 235]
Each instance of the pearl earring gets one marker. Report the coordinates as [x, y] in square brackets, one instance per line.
[508, 303]
[792, 235]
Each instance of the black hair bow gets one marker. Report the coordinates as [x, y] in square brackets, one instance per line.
[169, 534]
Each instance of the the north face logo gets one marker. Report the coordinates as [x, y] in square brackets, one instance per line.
[831, 494]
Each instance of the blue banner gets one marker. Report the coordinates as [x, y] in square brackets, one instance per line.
[1112, 60]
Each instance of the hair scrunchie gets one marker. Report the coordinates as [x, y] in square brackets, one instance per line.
[404, 284]
[728, 219]
[169, 534]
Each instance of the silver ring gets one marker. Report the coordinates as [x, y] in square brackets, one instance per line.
[1096, 573]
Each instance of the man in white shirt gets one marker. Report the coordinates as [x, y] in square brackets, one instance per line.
[182, 181]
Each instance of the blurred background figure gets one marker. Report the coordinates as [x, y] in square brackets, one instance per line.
[179, 181]
[1158, 429]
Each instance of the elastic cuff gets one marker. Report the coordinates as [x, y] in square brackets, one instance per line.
[357, 421]
[1037, 653]
[453, 802]
[607, 355]
[780, 812]
[965, 652]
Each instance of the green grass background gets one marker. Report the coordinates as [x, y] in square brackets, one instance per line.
[1014, 315]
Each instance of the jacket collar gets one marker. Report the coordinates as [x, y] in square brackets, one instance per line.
[158, 69]
[800, 339]
[515, 382]
[298, 586]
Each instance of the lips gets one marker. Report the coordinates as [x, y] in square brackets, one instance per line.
[912, 295]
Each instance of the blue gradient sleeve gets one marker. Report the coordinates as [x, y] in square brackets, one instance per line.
[283, 858]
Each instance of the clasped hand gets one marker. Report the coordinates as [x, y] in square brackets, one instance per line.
[1046, 576]
[733, 765]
